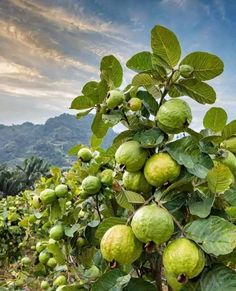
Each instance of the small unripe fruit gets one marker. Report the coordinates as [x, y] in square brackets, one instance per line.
[44, 257]
[61, 190]
[60, 280]
[114, 98]
[186, 71]
[26, 261]
[35, 202]
[80, 242]
[57, 232]
[135, 104]
[48, 196]
[83, 195]
[44, 285]
[91, 185]
[40, 246]
[85, 154]
[52, 263]
[107, 177]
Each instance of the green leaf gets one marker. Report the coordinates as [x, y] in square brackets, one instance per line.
[230, 196]
[186, 151]
[149, 138]
[206, 66]
[219, 278]
[82, 102]
[69, 231]
[197, 90]
[140, 62]
[166, 45]
[95, 141]
[229, 130]
[74, 150]
[90, 89]
[122, 200]
[99, 127]
[102, 90]
[111, 71]
[108, 223]
[219, 178]
[57, 253]
[138, 284]
[83, 113]
[107, 281]
[144, 80]
[149, 102]
[112, 118]
[215, 119]
[201, 208]
[215, 235]
[134, 197]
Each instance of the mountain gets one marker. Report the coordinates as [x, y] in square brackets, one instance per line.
[50, 141]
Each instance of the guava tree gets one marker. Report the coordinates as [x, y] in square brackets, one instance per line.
[156, 210]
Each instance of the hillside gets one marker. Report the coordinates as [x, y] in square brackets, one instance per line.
[50, 141]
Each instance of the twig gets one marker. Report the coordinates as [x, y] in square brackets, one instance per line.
[97, 208]
[166, 88]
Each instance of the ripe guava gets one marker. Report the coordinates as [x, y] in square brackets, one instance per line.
[186, 71]
[48, 196]
[61, 190]
[135, 104]
[228, 159]
[52, 263]
[131, 155]
[45, 285]
[114, 98]
[91, 185]
[160, 169]
[85, 154]
[174, 116]
[106, 177]
[57, 232]
[44, 256]
[182, 257]
[60, 280]
[229, 144]
[120, 244]
[152, 224]
[136, 181]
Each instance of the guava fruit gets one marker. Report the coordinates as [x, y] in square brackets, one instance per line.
[83, 195]
[48, 196]
[35, 202]
[135, 104]
[120, 244]
[114, 98]
[183, 258]
[173, 282]
[174, 116]
[45, 285]
[52, 263]
[186, 71]
[136, 181]
[85, 154]
[60, 280]
[228, 159]
[44, 256]
[92, 273]
[61, 190]
[91, 185]
[160, 169]
[57, 232]
[152, 224]
[229, 144]
[26, 261]
[106, 177]
[81, 242]
[131, 155]
[40, 246]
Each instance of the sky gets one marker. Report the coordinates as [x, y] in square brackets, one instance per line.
[50, 48]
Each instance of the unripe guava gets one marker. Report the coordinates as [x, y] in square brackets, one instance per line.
[61, 190]
[135, 104]
[91, 185]
[44, 256]
[136, 181]
[174, 116]
[228, 159]
[186, 71]
[81, 242]
[229, 144]
[173, 282]
[35, 202]
[48, 196]
[57, 232]
[182, 257]
[120, 244]
[45, 285]
[26, 261]
[152, 224]
[60, 280]
[83, 195]
[175, 76]
[40, 246]
[92, 273]
[85, 154]
[131, 155]
[52, 263]
[106, 177]
[114, 98]
[160, 169]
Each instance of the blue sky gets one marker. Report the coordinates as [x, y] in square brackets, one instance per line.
[49, 48]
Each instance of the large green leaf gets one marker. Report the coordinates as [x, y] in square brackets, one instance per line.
[90, 89]
[108, 223]
[215, 119]
[149, 102]
[122, 200]
[219, 278]
[82, 102]
[111, 71]
[107, 281]
[186, 151]
[112, 118]
[215, 235]
[140, 62]
[148, 82]
[206, 66]
[150, 138]
[138, 284]
[201, 208]
[165, 45]
[230, 196]
[197, 90]
[99, 127]
[134, 197]
[229, 130]
[57, 253]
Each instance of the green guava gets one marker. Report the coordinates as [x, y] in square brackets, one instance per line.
[61, 190]
[60, 280]
[80, 242]
[186, 71]
[136, 181]
[40, 246]
[152, 224]
[174, 116]
[45, 285]
[35, 202]
[182, 257]
[85, 154]
[160, 169]
[52, 263]
[131, 155]
[57, 232]
[48, 196]
[44, 256]
[26, 261]
[91, 185]
[173, 282]
[106, 177]
[114, 98]
[120, 244]
[175, 76]
[92, 273]
[229, 144]
[83, 195]
[135, 104]
[228, 159]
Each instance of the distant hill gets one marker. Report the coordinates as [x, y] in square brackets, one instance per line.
[50, 141]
